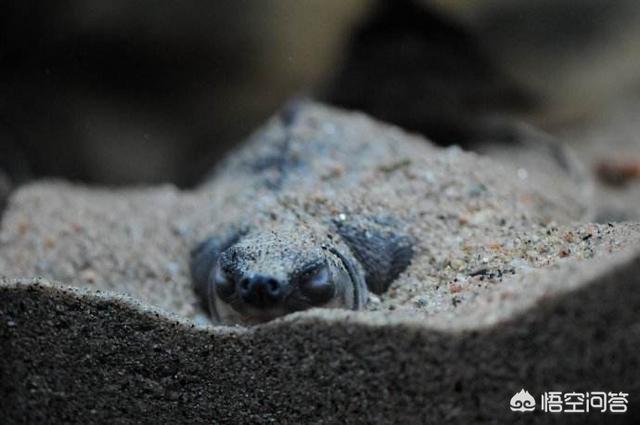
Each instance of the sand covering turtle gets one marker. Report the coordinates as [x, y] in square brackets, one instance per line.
[325, 215]
[317, 197]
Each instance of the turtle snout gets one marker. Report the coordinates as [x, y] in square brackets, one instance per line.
[261, 291]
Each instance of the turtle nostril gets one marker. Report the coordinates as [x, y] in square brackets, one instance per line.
[261, 291]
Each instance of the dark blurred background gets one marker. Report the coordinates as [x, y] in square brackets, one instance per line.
[147, 91]
[131, 92]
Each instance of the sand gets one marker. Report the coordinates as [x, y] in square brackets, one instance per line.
[511, 287]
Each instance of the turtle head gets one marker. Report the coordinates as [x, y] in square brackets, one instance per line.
[265, 275]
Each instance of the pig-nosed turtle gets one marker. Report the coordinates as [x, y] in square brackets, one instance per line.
[320, 208]
[278, 258]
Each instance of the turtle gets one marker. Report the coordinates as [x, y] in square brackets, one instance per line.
[277, 259]
[320, 209]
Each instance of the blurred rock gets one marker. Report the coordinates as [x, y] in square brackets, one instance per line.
[575, 56]
[123, 92]
[443, 67]
[425, 72]
[146, 92]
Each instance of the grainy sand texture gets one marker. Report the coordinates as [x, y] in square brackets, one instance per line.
[511, 287]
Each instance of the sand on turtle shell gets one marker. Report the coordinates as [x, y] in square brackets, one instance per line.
[476, 222]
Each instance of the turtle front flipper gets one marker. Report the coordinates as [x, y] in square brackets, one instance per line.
[383, 250]
[203, 259]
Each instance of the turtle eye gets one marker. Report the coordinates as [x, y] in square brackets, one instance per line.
[317, 285]
[224, 285]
